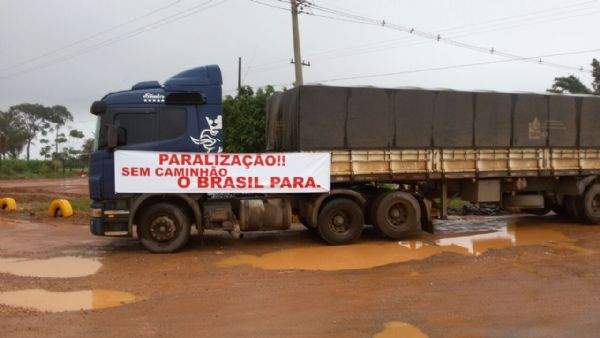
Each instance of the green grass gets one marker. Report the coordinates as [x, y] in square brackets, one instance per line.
[455, 202]
[37, 206]
[33, 169]
[80, 204]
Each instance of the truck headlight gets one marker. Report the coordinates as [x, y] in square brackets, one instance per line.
[96, 212]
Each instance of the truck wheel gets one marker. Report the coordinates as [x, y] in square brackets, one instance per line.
[397, 214]
[591, 204]
[340, 221]
[164, 228]
[573, 207]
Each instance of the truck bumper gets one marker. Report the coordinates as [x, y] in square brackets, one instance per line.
[109, 223]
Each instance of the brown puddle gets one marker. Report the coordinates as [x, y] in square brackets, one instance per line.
[50, 301]
[368, 255]
[56, 267]
[400, 330]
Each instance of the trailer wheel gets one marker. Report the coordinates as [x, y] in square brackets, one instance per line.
[164, 228]
[591, 204]
[396, 214]
[340, 222]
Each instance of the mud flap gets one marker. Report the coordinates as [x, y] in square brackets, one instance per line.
[426, 218]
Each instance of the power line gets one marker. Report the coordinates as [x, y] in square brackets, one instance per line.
[526, 19]
[146, 28]
[431, 36]
[422, 70]
[454, 66]
[90, 37]
[269, 5]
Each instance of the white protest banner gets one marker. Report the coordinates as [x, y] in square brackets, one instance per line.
[170, 172]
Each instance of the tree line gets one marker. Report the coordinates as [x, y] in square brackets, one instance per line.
[22, 124]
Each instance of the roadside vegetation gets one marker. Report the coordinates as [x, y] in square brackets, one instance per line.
[572, 84]
[40, 169]
[23, 125]
[244, 120]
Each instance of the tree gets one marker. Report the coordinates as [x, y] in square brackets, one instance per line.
[596, 76]
[572, 85]
[12, 134]
[86, 150]
[76, 134]
[69, 155]
[244, 120]
[32, 116]
[59, 116]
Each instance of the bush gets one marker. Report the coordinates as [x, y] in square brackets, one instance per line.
[31, 169]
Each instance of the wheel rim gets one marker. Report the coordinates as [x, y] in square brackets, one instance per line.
[339, 222]
[397, 214]
[164, 228]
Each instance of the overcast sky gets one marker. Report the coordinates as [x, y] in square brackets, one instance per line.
[72, 52]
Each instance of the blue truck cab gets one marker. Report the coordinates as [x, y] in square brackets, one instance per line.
[183, 114]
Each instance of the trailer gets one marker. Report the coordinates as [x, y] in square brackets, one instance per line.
[393, 153]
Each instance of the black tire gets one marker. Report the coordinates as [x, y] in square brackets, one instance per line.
[340, 222]
[164, 228]
[372, 209]
[591, 204]
[573, 206]
[396, 214]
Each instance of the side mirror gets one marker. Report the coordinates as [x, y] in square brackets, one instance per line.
[115, 136]
[98, 108]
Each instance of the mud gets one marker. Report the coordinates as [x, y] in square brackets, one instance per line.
[400, 330]
[56, 186]
[369, 255]
[42, 300]
[55, 267]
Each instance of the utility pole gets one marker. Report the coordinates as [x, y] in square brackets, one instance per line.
[239, 74]
[297, 57]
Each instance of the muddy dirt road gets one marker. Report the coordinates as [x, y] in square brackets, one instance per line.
[517, 276]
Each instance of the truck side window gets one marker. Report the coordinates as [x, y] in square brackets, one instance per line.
[139, 127]
[173, 122]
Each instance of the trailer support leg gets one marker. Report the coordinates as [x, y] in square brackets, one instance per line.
[444, 200]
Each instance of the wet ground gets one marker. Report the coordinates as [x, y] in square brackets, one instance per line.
[508, 276]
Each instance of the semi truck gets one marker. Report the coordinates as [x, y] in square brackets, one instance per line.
[394, 152]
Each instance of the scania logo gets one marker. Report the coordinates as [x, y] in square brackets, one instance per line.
[149, 97]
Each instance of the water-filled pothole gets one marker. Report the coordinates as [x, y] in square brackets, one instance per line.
[56, 267]
[400, 329]
[43, 300]
[368, 255]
